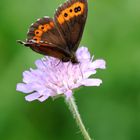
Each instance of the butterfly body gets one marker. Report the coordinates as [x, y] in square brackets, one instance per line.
[60, 36]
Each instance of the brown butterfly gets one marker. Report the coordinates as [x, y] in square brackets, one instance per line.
[60, 36]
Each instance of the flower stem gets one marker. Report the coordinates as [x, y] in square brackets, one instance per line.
[73, 108]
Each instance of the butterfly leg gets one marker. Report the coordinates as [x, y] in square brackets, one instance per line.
[74, 60]
[65, 59]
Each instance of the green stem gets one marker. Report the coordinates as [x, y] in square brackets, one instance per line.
[73, 108]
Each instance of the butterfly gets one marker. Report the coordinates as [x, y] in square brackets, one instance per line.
[60, 36]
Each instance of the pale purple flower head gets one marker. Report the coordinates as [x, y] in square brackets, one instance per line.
[53, 78]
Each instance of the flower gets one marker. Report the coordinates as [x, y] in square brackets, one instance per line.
[53, 78]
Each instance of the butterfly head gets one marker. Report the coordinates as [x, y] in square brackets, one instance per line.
[71, 58]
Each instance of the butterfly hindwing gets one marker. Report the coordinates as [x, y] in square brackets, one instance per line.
[44, 38]
[44, 30]
[70, 19]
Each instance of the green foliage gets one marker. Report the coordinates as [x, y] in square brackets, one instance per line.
[111, 112]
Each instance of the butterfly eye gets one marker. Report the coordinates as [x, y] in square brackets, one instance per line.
[38, 33]
[37, 39]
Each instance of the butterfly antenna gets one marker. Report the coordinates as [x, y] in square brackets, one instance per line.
[23, 43]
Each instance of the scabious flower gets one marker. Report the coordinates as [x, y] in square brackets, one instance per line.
[52, 77]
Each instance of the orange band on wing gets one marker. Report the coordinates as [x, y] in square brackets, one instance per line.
[75, 9]
[42, 29]
[51, 24]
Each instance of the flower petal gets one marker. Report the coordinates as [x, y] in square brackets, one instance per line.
[32, 97]
[89, 73]
[24, 88]
[43, 98]
[39, 64]
[91, 82]
[53, 78]
[83, 53]
[98, 64]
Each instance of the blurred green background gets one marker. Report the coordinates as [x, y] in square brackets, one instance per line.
[111, 111]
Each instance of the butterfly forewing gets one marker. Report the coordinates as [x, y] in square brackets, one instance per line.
[70, 19]
[44, 38]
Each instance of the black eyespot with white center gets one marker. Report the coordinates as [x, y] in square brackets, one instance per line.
[77, 9]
